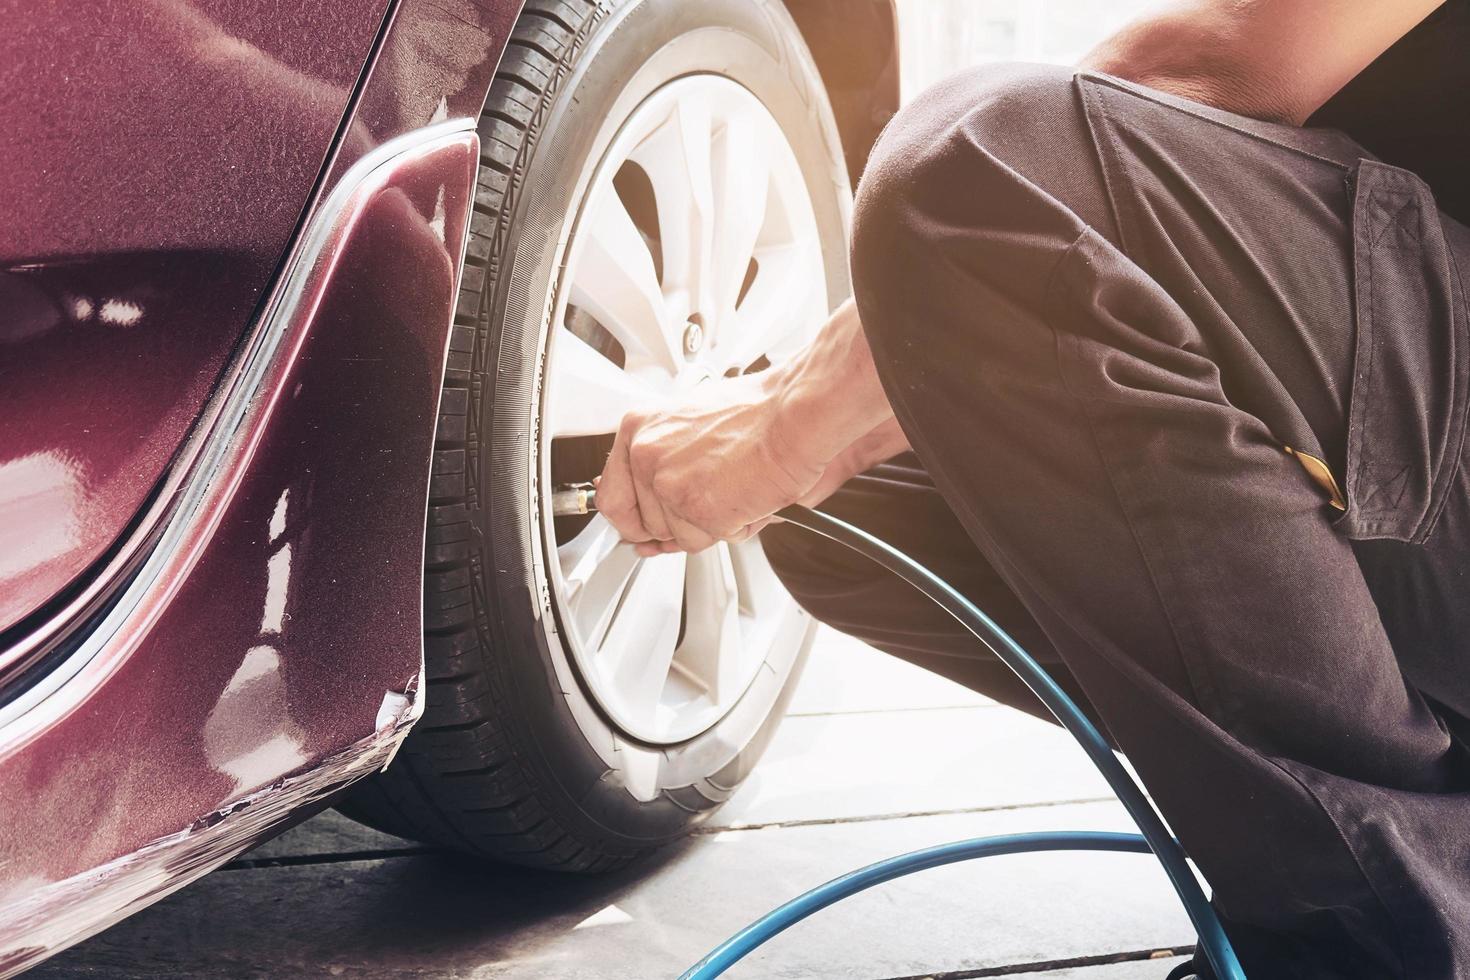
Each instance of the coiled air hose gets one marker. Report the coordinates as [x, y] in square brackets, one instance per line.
[1153, 836]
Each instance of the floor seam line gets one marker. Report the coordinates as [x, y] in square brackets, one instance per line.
[873, 818]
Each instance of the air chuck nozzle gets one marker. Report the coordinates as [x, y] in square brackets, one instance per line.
[573, 500]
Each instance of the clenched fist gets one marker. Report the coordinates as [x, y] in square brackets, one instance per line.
[714, 467]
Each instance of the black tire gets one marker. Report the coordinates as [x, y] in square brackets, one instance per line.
[512, 760]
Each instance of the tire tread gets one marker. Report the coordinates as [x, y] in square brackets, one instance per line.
[458, 780]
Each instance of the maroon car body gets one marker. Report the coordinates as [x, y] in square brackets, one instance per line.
[227, 276]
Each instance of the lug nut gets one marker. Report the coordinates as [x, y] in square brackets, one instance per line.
[693, 337]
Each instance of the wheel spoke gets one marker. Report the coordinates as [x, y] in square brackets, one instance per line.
[756, 583]
[616, 283]
[709, 655]
[676, 158]
[596, 567]
[784, 306]
[639, 646]
[640, 774]
[742, 179]
[590, 394]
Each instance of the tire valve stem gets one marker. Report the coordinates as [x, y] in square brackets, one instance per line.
[573, 500]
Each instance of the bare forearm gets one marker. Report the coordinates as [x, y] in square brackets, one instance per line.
[829, 397]
[1277, 60]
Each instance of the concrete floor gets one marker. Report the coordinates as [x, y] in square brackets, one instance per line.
[877, 758]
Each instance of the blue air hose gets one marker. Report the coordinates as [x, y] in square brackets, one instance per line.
[1155, 836]
[744, 942]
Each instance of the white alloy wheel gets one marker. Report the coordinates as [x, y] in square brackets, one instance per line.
[695, 256]
[663, 199]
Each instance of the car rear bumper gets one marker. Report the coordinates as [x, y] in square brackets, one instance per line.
[259, 643]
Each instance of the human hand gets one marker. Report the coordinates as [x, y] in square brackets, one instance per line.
[714, 466]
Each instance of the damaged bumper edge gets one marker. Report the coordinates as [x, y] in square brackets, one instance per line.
[219, 575]
[49, 919]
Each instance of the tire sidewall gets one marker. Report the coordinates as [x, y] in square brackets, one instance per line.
[631, 50]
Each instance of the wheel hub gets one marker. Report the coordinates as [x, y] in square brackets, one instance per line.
[698, 204]
[693, 338]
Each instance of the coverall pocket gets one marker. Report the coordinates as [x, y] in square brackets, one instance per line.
[1407, 409]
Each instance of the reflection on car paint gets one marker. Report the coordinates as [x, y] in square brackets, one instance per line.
[40, 499]
[249, 736]
[158, 156]
[105, 369]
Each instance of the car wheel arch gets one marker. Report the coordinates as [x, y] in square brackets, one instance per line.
[855, 46]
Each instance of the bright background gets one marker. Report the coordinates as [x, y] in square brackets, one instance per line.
[940, 36]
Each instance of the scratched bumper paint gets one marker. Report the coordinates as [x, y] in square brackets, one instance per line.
[54, 916]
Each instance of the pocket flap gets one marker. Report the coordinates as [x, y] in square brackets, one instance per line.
[1409, 372]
